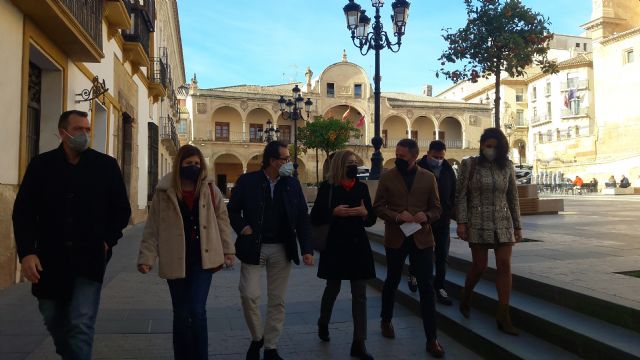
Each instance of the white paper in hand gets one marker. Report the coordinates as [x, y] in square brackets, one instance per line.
[410, 228]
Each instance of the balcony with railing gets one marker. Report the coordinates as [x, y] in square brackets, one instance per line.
[575, 112]
[137, 37]
[169, 135]
[74, 26]
[574, 84]
[158, 81]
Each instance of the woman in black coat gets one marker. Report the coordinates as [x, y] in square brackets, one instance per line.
[345, 204]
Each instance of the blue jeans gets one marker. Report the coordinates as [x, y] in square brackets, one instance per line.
[189, 300]
[71, 323]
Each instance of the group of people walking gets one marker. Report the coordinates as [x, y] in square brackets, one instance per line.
[72, 207]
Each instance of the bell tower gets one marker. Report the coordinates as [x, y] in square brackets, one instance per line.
[609, 17]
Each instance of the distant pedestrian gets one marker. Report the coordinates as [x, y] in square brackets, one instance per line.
[489, 218]
[68, 215]
[188, 232]
[269, 213]
[624, 182]
[436, 163]
[408, 195]
[345, 204]
[611, 182]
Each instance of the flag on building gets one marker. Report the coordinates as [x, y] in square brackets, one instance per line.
[345, 116]
[566, 101]
[360, 122]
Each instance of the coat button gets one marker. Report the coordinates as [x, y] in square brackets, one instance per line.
[206, 250]
[204, 227]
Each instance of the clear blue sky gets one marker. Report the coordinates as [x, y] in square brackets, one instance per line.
[272, 42]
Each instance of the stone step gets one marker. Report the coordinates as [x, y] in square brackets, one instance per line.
[557, 327]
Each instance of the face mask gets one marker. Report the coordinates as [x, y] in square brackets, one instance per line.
[489, 153]
[190, 172]
[286, 169]
[78, 143]
[352, 171]
[434, 162]
[402, 165]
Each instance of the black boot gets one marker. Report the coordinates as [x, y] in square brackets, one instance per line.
[323, 332]
[271, 354]
[254, 350]
[359, 351]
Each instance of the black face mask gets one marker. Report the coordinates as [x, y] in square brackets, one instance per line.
[190, 172]
[352, 171]
[402, 165]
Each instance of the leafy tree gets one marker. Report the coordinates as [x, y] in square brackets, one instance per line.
[326, 135]
[500, 36]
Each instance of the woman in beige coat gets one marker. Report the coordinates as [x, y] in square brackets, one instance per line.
[188, 231]
[488, 217]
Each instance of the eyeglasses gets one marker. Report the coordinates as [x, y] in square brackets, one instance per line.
[285, 159]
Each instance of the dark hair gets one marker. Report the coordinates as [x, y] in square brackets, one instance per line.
[187, 151]
[502, 148]
[271, 151]
[410, 144]
[63, 122]
[437, 145]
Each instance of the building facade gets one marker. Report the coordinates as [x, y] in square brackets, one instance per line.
[228, 121]
[58, 54]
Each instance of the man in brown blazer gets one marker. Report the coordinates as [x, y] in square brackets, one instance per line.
[409, 194]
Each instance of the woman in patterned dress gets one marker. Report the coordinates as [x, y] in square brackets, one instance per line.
[488, 217]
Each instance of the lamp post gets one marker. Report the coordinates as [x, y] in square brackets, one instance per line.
[270, 133]
[376, 40]
[291, 109]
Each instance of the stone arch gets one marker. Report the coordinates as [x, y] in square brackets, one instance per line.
[226, 124]
[256, 121]
[389, 163]
[254, 163]
[423, 129]
[451, 132]
[337, 111]
[227, 168]
[394, 128]
[519, 151]
[303, 172]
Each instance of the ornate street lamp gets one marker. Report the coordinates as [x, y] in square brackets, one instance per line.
[376, 40]
[291, 109]
[269, 134]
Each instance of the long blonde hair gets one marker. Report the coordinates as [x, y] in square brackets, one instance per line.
[338, 167]
[187, 151]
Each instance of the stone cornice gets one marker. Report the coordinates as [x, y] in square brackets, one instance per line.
[621, 36]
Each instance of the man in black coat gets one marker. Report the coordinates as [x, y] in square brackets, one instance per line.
[269, 213]
[68, 215]
[435, 162]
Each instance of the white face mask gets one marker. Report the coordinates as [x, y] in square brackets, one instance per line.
[286, 169]
[489, 153]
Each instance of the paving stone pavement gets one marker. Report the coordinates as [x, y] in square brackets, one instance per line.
[584, 248]
[135, 315]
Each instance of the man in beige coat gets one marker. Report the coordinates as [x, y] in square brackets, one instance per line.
[407, 197]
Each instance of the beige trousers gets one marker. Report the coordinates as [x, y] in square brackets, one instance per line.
[273, 257]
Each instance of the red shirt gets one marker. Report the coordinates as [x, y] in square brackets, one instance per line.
[188, 197]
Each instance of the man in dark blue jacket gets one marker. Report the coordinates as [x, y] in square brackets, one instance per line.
[269, 213]
[69, 214]
[435, 162]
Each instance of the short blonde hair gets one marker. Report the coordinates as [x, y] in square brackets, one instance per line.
[338, 167]
[187, 151]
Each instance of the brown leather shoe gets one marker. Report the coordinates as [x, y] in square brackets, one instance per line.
[435, 349]
[387, 330]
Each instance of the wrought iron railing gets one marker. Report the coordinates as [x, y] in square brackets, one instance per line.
[88, 13]
[158, 72]
[168, 131]
[142, 22]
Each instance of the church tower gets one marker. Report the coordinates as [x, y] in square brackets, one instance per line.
[610, 17]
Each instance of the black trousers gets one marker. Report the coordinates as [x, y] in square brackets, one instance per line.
[358, 306]
[421, 261]
[441, 234]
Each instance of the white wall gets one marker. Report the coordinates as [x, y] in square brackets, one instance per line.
[10, 91]
[142, 143]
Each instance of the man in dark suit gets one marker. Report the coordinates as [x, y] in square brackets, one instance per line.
[69, 214]
[408, 194]
[436, 163]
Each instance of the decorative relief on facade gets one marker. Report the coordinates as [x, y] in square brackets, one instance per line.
[344, 91]
[201, 108]
[275, 107]
[473, 120]
[410, 114]
[244, 105]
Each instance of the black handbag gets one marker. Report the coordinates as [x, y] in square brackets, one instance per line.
[319, 233]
